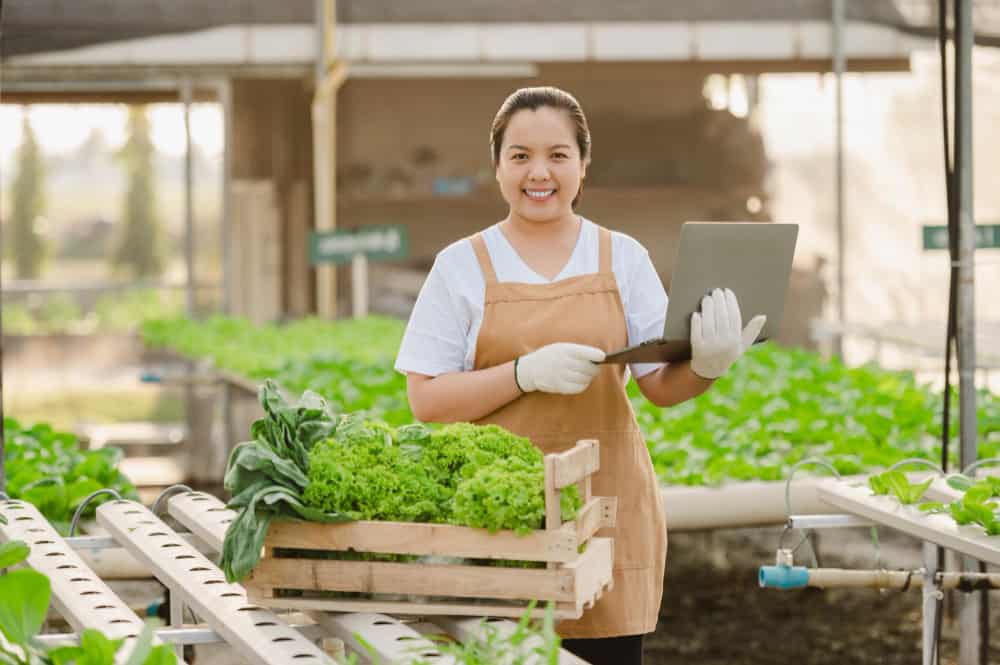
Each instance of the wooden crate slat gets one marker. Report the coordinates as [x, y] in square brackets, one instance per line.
[424, 539]
[413, 579]
[575, 581]
[258, 635]
[573, 465]
[598, 513]
[516, 611]
[593, 570]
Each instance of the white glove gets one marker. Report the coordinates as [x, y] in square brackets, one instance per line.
[717, 340]
[558, 368]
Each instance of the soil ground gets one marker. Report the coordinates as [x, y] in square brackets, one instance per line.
[714, 612]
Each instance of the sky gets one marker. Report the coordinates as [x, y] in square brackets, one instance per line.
[56, 135]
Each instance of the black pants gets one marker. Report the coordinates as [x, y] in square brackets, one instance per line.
[607, 650]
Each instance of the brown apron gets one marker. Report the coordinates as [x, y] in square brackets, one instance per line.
[586, 309]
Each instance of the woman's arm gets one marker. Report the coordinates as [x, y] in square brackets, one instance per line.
[673, 384]
[461, 396]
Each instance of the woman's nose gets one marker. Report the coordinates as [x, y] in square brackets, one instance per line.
[539, 170]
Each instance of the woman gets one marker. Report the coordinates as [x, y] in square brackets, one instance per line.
[511, 324]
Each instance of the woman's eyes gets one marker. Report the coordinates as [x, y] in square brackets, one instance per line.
[522, 156]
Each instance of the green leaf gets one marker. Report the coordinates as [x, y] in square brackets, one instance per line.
[13, 552]
[66, 655]
[24, 602]
[162, 654]
[97, 649]
[960, 483]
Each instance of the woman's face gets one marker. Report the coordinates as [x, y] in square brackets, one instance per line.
[540, 168]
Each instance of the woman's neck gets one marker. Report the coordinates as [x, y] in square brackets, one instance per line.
[550, 230]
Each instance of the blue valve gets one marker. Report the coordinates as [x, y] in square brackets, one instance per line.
[783, 577]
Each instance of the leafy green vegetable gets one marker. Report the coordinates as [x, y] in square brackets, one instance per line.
[530, 642]
[24, 602]
[480, 476]
[306, 463]
[13, 552]
[48, 469]
[975, 506]
[896, 483]
[266, 476]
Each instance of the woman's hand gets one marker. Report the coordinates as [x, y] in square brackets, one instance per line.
[718, 338]
[558, 368]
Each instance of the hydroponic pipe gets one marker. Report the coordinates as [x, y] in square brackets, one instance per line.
[798, 577]
[734, 505]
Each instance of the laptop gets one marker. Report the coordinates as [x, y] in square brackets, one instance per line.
[753, 259]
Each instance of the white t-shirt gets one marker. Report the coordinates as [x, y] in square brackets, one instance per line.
[444, 325]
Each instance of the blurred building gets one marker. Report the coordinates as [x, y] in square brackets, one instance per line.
[668, 87]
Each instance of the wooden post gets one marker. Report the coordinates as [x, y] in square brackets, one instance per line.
[359, 285]
[330, 74]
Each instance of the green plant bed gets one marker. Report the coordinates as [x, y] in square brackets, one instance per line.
[47, 468]
[349, 363]
[63, 410]
[775, 407]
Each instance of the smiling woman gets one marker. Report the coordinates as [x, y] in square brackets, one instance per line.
[512, 326]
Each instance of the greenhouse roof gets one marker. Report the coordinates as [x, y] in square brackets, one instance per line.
[39, 26]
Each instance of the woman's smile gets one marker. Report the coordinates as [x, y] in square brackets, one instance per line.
[540, 194]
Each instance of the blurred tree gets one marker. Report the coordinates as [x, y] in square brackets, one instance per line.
[27, 247]
[140, 250]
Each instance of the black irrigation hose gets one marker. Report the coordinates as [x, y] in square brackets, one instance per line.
[949, 174]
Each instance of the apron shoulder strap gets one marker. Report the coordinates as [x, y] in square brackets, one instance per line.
[483, 255]
[604, 251]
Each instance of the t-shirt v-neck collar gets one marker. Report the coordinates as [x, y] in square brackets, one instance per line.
[562, 271]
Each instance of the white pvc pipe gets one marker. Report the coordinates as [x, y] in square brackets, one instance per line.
[828, 578]
[747, 504]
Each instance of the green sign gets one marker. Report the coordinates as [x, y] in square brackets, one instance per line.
[378, 243]
[987, 236]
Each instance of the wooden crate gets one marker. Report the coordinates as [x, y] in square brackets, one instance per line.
[571, 579]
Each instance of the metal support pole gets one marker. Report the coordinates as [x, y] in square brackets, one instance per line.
[187, 97]
[839, 65]
[967, 235]
[177, 618]
[359, 285]
[929, 605]
[972, 639]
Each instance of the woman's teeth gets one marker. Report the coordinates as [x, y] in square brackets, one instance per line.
[540, 194]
